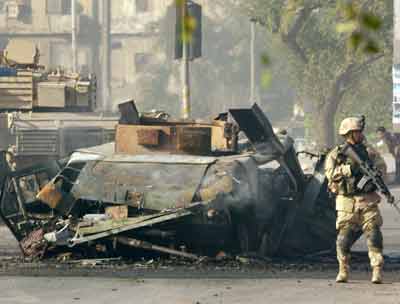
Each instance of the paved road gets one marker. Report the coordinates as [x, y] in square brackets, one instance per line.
[80, 290]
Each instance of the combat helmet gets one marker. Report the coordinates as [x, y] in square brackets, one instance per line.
[351, 124]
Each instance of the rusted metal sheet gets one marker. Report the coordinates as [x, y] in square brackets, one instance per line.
[135, 139]
[127, 139]
[218, 140]
[148, 137]
[194, 140]
[51, 195]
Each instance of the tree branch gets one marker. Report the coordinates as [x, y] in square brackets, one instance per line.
[360, 67]
[353, 69]
[343, 82]
[290, 38]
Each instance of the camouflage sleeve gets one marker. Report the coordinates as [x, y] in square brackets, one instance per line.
[335, 171]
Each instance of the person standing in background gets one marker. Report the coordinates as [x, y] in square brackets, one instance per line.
[392, 142]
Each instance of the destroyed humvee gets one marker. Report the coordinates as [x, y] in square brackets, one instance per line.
[174, 187]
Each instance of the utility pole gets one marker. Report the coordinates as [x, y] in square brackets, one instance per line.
[73, 38]
[106, 56]
[185, 65]
[252, 60]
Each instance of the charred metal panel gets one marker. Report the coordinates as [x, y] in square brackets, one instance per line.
[14, 208]
[249, 202]
[129, 113]
[293, 164]
[258, 129]
[314, 186]
[163, 186]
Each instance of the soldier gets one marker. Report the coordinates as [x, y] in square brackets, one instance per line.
[392, 142]
[357, 209]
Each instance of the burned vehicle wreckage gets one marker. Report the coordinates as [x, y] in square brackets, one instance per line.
[173, 187]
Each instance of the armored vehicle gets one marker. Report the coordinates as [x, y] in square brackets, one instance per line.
[46, 114]
[184, 188]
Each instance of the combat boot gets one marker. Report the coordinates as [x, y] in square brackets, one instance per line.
[376, 275]
[343, 274]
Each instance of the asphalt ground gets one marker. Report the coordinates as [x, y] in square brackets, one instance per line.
[21, 290]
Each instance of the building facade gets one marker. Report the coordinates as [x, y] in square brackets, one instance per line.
[139, 42]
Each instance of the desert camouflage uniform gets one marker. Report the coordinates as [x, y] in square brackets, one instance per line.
[356, 212]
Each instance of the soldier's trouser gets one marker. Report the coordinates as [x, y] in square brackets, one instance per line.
[367, 220]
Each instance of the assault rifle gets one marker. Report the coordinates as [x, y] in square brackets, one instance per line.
[371, 175]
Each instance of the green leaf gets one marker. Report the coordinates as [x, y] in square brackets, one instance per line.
[266, 78]
[265, 60]
[371, 47]
[348, 10]
[371, 21]
[355, 40]
[346, 27]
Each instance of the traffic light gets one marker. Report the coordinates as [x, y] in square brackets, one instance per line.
[194, 11]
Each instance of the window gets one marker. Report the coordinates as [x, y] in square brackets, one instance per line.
[58, 7]
[142, 6]
[25, 11]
